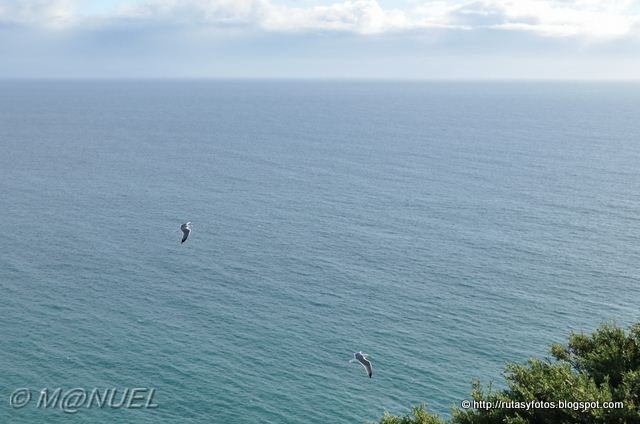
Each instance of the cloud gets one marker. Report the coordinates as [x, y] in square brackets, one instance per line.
[356, 16]
[44, 13]
[555, 18]
[595, 19]
[321, 39]
[197, 12]
[359, 16]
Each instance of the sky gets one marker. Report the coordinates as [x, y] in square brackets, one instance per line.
[361, 39]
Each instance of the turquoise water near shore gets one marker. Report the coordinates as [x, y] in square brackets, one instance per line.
[444, 228]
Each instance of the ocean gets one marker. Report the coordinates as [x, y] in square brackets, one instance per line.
[444, 228]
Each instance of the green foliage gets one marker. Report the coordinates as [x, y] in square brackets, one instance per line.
[419, 415]
[601, 367]
[608, 353]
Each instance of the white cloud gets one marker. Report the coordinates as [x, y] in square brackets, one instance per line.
[360, 16]
[596, 19]
[591, 18]
[47, 13]
[239, 12]
[602, 18]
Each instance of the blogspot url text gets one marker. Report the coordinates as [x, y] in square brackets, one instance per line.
[529, 405]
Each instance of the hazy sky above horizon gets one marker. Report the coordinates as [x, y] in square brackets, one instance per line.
[403, 39]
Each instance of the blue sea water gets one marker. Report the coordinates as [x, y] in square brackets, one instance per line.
[443, 228]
